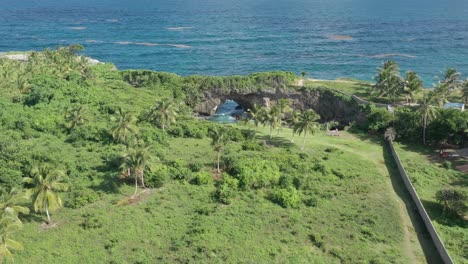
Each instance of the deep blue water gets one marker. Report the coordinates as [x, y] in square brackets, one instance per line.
[223, 37]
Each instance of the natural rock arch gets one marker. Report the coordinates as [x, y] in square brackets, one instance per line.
[329, 104]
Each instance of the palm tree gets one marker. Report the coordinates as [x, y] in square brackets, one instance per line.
[256, 115]
[11, 203]
[465, 91]
[8, 225]
[273, 119]
[46, 182]
[293, 120]
[284, 107]
[218, 141]
[125, 126]
[451, 79]
[163, 113]
[427, 112]
[307, 124]
[136, 161]
[441, 94]
[22, 84]
[412, 84]
[303, 74]
[76, 116]
[388, 80]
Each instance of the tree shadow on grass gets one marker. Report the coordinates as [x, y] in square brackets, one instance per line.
[33, 218]
[278, 142]
[109, 183]
[435, 212]
[429, 249]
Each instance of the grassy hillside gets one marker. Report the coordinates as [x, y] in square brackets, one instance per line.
[349, 207]
[271, 202]
[277, 204]
[428, 175]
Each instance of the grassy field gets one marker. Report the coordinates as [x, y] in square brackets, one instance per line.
[355, 210]
[361, 89]
[428, 175]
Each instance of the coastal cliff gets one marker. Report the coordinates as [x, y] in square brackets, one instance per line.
[329, 104]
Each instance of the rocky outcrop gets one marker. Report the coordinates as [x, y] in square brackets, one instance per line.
[329, 104]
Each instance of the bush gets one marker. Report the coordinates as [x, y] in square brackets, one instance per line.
[379, 119]
[226, 189]
[91, 221]
[234, 134]
[287, 198]
[89, 133]
[157, 177]
[255, 172]
[43, 89]
[453, 200]
[179, 171]
[81, 197]
[252, 145]
[447, 164]
[285, 181]
[202, 178]
[317, 240]
[195, 166]
[9, 177]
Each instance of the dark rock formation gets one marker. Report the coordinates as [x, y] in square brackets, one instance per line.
[329, 104]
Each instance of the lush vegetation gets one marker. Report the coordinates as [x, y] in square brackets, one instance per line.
[125, 174]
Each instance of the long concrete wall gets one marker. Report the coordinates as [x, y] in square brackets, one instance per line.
[425, 217]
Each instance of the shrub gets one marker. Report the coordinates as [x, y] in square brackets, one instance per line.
[252, 145]
[322, 168]
[226, 189]
[157, 177]
[91, 221]
[81, 197]
[287, 198]
[285, 181]
[9, 177]
[317, 240]
[202, 178]
[255, 172]
[195, 166]
[179, 171]
[176, 131]
[453, 200]
[89, 133]
[379, 119]
[447, 164]
[43, 89]
[234, 134]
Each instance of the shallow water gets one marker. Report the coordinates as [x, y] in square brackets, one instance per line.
[326, 38]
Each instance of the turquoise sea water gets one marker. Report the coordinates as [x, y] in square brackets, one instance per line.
[227, 112]
[242, 36]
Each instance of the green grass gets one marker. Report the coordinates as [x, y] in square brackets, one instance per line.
[356, 212]
[358, 88]
[428, 176]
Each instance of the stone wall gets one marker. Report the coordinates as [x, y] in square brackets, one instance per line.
[422, 212]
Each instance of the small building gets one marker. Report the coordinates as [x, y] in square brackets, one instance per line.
[458, 106]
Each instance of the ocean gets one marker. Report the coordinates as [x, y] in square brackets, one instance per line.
[326, 38]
